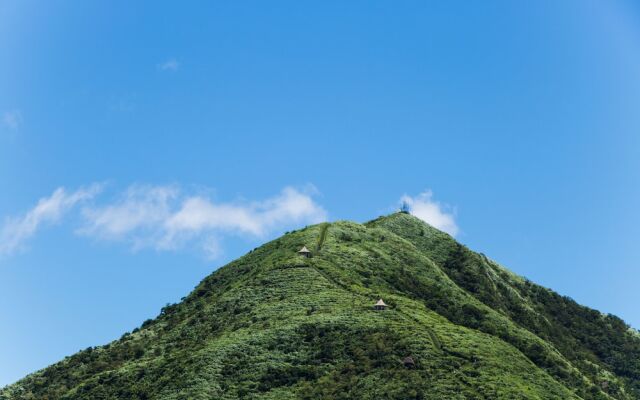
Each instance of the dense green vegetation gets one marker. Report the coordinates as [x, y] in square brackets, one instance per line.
[274, 325]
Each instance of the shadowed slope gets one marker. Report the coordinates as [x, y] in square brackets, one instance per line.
[602, 346]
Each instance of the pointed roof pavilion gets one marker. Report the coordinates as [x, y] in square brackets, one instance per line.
[304, 251]
[380, 305]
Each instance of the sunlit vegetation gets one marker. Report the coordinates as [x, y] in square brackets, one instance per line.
[274, 325]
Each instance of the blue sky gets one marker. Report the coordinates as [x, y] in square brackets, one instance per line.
[143, 146]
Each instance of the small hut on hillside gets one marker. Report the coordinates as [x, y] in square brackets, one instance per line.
[304, 252]
[380, 305]
[408, 362]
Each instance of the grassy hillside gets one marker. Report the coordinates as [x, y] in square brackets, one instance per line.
[274, 325]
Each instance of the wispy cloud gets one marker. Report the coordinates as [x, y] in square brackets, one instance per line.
[436, 214]
[170, 65]
[12, 119]
[17, 230]
[164, 218]
[200, 214]
[140, 209]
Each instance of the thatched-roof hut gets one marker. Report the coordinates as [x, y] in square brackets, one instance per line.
[304, 252]
[380, 305]
[409, 362]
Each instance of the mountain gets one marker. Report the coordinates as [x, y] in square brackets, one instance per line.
[276, 325]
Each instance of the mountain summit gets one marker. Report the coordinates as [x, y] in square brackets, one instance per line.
[389, 309]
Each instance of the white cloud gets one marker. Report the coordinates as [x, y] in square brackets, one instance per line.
[139, 210]
[290, 205]
[12, 119]
[199, 214]
[15, 231]
[170, 65]
[163, 218]
[432, 212]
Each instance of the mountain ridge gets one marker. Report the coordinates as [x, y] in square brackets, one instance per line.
[274, 325]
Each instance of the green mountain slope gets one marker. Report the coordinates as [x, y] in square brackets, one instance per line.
[274, 325]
